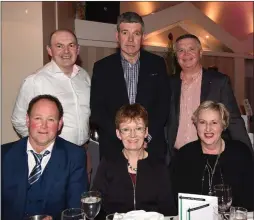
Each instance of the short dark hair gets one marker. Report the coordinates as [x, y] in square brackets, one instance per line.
[130, 17]
[62, 30]
[131, 112]
[49, 98]
[186, 36]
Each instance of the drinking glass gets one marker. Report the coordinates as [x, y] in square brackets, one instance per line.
[216, 214]
[91, 204]
[39, 217]
[238, 213]
[73, 214]
[114, 217]
[224, 194]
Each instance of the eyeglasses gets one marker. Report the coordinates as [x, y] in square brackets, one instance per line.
[128, 131]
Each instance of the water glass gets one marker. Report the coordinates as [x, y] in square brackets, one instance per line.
[224, 194]
[238, 213]
[91, 204]
[73, 214]
[114, 217]
[39, 217]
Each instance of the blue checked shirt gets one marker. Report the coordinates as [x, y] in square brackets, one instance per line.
[131, 72]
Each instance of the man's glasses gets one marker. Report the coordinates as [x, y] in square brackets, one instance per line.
[128, 131]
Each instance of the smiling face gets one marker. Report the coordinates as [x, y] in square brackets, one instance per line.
[132, 133]
[43, 124]
[130, 38]
[209, 127]
[63, 50]
[188, 53]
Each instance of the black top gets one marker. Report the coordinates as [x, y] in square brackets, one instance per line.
[235, 168]
[151, 193]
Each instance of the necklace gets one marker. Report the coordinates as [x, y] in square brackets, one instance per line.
[128, 163]
[212, 171]
[131, 168]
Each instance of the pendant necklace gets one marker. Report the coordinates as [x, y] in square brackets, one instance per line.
[212, 171]
[128, 163]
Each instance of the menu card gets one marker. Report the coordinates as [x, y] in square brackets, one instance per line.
[196, 207]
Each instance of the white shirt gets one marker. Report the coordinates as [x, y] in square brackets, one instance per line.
[73, 92]
[31, 159]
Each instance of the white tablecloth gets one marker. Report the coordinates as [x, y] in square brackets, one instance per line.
[250, 217]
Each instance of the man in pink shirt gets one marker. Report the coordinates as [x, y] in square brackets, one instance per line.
[191, 87]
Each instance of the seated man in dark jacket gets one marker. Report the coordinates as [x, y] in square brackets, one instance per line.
[42, 173]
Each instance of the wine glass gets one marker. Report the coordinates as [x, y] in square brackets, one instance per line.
[224, 194]
[114, 216]
[91, 204]
[238, 213]
[73, 214]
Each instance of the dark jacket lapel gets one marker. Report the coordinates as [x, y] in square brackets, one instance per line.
[205, 85]
[118, 77]
[176, 84]
[55, 167]
[144, 72]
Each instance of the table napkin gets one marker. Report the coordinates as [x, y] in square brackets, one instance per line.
[139, 215]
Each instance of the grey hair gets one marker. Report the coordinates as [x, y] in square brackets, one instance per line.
[187, 36]
[215, 106]
[130, 17]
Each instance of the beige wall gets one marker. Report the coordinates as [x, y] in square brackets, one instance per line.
[22, 54]
[26, 27]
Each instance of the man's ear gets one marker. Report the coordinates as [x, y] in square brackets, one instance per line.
[117, 36]
[60, 125]
[143, 38]
[78, 49]
[49, 50]
[27, 120]
[200, 53]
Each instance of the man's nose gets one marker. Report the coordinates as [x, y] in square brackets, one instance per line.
[44, 124]
[66, 49]
[130, 38]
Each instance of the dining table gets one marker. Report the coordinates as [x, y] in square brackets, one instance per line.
[250, 216]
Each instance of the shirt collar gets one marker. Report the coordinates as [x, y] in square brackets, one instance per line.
[126, 61]
[29, 147]
[56, 69]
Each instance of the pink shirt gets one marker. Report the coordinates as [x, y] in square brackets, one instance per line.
[189, 102]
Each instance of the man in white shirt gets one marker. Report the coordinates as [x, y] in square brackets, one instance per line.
[42, 173]
[64, 79]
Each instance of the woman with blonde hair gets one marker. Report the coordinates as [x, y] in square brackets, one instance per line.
[201, 164]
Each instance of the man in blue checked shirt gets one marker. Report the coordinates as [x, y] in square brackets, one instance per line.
[131, 75]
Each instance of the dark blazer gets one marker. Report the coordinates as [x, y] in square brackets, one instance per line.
[65, 176]
[109, 93]
[216, 87]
